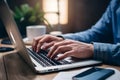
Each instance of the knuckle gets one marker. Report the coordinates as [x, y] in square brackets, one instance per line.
[38, 45]
[56, 45]
[69, 41]
[35, 40]
[47, 36]
[40, 42]
[67, 54]
[60, 48]
[73, 51]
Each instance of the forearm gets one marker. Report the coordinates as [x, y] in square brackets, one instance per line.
[108, 53]
[79, 36]
[91, 35]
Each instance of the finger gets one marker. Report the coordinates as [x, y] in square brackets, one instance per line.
[56, 45]
[35, 42]
[65, 55]
[60, 49]
[65, 42]
[41, 41]
[39, 46]
[47, 45]
[51, 51]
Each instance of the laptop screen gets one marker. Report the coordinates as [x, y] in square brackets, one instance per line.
[13, 32]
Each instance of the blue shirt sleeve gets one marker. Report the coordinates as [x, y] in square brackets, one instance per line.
[98, 33]
[108, 53]
[101, 35]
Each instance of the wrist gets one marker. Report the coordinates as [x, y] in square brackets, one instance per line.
[91, 47]
[61, 37]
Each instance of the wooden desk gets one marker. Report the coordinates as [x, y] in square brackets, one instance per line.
[12, 67]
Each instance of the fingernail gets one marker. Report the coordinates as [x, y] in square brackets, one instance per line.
[48, 55]
[36, 51]
[57, 59]
[43, 47]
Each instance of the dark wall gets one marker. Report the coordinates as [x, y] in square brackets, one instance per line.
[82, 14]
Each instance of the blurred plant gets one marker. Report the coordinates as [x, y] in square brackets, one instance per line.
[26, 15]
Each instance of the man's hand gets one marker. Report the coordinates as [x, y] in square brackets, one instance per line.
[71, 48]
[39, 42]
[67, 47]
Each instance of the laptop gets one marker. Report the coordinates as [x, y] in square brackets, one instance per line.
[38, 62]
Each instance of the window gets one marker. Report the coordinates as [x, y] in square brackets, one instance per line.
[56, 11]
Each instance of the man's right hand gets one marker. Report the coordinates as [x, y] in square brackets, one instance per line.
[40, 42]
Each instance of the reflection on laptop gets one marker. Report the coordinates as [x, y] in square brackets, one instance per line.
[39, 62]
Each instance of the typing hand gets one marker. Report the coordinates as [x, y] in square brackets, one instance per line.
[71, 48]
[44, 42]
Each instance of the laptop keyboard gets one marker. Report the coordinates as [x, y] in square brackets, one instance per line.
[42, 58]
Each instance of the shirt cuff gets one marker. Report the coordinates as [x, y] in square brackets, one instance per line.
[102, 52]
[61, 37]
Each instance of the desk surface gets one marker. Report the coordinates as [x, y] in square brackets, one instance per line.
[12, 67]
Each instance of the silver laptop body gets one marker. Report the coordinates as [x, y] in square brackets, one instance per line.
[14, 35]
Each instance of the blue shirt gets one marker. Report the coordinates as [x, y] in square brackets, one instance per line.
[105, 35]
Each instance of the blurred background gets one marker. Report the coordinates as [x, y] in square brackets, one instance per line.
[68, 16]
